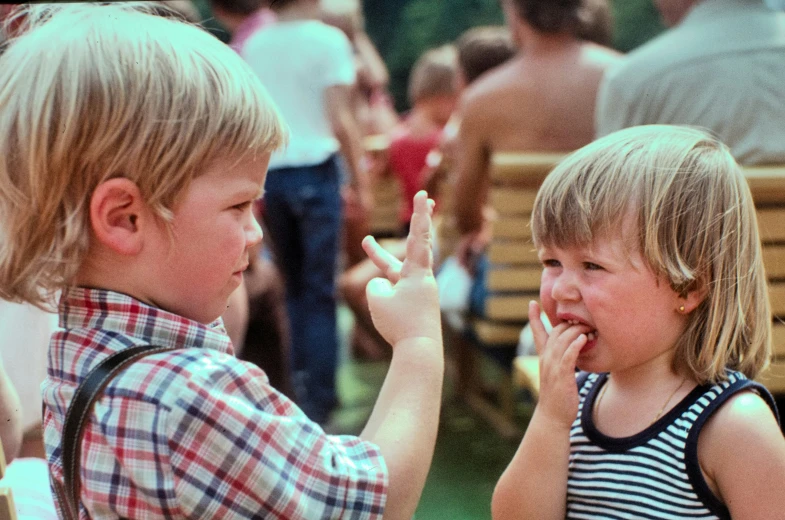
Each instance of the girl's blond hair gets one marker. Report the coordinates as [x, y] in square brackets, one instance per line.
[696, 228]
[93, 92]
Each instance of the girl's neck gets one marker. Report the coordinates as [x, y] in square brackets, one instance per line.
[653, 374]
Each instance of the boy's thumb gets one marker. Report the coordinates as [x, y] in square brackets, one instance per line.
[378, 288]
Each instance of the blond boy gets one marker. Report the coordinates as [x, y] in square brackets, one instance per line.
[132, 149]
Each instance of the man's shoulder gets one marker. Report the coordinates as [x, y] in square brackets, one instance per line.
[487, 87]
[651, 59]
[709, 39]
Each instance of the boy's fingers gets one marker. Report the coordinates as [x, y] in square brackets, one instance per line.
[419, 255]
[538, 329]
[378, 288]
[386, 262]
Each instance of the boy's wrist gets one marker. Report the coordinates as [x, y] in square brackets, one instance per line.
[419, 347]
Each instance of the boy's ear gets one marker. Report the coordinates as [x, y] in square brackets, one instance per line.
[116, 213]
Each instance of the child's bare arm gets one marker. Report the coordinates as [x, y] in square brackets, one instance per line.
[405, 311]
[750, 478]
[10, 417]
[534, 485]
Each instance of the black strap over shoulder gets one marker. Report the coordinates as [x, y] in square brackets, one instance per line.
[76, 417]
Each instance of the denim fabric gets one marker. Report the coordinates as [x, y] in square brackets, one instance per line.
[303, 217]
[479, 290]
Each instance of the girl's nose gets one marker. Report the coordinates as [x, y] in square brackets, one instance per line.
[565, 288]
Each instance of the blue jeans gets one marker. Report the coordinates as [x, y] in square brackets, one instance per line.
[303, 217]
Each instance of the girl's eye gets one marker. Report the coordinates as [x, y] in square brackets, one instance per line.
[592, 266]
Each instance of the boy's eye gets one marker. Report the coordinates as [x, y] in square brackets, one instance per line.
[550, 262]
[242, 206]
[591, 266]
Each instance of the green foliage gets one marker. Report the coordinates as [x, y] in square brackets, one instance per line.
[635, 23]
[404, 29]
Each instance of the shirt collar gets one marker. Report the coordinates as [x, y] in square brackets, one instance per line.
[249, 26]
[709, 10]
[84, 308]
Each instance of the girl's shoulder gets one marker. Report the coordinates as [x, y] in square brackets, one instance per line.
[741, 449]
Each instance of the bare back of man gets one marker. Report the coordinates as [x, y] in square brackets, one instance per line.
[543, 100]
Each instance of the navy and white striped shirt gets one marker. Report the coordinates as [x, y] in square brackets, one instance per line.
[653, 474]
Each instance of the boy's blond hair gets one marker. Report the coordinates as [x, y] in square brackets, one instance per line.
[434, 74]
[89, 93]
[696, 228]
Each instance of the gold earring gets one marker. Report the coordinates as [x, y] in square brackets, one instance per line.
[681, 309]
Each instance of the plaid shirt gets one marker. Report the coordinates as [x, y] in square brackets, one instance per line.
[194, 432]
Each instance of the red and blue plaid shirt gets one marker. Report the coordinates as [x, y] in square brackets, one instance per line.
[194, 433]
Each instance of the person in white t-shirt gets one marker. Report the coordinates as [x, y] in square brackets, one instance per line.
[309, 70]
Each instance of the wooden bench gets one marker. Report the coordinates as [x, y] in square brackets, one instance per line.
[386, 189]
[513, 280]
[767, 184]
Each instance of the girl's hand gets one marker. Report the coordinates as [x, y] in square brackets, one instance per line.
[405, 304]
[558, 353]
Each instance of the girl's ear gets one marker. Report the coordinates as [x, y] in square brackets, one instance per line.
[116, 213]
[692, 299]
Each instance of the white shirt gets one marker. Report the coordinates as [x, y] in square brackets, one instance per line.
[297, 61]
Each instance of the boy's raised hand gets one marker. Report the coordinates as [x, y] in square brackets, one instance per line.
[405, 304]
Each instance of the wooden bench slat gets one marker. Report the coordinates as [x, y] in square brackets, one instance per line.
[774, 261]
[771, 223]
[523, 167]
[511, 201]
[495, 333]
[766, 183]
[509, 308]
[773, 378]
[513, 253]
[520, 279]
[778, 340]
[777, 297]
[515, 227]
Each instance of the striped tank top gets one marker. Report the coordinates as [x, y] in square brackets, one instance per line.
[653, 474]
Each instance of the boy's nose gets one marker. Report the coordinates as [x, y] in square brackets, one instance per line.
[253, 233]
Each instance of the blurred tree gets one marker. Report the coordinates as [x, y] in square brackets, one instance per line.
[404, 29]
[635, 23]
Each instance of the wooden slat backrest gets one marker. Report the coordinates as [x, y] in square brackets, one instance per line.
[387, 198]
[767, 184]
[514, 272]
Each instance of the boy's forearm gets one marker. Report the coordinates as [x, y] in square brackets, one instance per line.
[405, 421]
[534, 485]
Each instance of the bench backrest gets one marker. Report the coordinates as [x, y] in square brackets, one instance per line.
[514, 270]
[767, 184]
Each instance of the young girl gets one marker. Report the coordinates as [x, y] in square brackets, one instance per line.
[653, 280]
